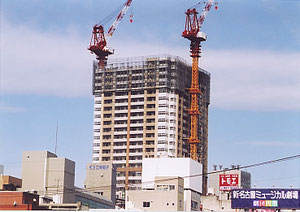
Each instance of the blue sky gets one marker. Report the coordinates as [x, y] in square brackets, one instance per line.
[252, 52]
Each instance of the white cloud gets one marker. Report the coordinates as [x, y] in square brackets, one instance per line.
[34, 62]
[59, 64]
[271, 144]
[4, 108]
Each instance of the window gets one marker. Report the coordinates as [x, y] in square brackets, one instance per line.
[105, 158]
[194, 205]
[106, 116]
[106, 129]
[105, 137]
[106, 108]
[98, 109]
[106, 151]
[108, 101]
[146, 204]
[107, 122]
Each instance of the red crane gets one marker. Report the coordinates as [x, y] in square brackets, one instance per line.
[98, 44]
[193, 33]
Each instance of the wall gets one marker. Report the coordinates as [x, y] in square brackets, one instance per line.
[172, 167]
[34, 162]
[11, 200]
[213, 203]
[43, 172]
[101, 178]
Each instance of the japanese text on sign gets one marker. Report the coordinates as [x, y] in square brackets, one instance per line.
[228, 181]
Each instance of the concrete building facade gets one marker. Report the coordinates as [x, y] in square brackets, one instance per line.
[1, 169]
[140, 111]
[101, 179]
[48, 175]
[186, 168]
[167, 195]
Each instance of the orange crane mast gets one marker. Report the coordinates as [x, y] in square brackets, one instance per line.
[193, 33]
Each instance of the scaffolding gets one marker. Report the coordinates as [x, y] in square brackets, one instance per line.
[156, 73]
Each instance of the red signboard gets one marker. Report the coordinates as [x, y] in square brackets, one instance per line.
[228, 181]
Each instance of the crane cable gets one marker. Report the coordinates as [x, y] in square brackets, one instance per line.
[110, 16]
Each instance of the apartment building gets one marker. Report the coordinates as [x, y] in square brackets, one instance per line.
[140, 111]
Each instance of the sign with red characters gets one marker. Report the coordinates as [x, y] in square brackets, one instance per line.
[228, 182]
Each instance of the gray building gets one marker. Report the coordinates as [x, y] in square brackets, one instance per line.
[141, 111]
[101, 179]
[52, 178]
[48, 175]
[1, 169]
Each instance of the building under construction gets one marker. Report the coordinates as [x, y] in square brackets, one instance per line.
[141, 111]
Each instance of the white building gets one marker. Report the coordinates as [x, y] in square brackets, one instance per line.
[186, 168]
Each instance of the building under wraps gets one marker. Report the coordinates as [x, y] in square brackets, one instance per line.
[141, 111]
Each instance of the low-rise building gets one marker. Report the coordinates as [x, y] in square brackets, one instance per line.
[188, 169]
[9, 183]
[16, 200]
[49, 175]
[167, 195]
[220, 183]
[52, 178]
[242, 178]
[101, 179]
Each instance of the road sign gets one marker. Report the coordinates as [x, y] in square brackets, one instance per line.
[228, 182]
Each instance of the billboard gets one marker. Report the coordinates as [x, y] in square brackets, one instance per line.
[228, 181]
[265, 198]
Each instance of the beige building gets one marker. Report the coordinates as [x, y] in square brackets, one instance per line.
[101, 179]
[167, 195]
[48, 175]
[9, 183]
[140, 111]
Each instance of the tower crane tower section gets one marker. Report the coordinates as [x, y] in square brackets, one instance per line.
[192, 32]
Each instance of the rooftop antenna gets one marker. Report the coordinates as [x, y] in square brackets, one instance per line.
[56, 137]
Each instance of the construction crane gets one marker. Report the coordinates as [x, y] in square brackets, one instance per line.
[98, 44]
[192, 32]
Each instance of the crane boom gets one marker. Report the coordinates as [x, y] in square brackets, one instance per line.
[118, 20]
[98, 44]
[205, 11]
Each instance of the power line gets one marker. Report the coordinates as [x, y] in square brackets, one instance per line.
[73, 190]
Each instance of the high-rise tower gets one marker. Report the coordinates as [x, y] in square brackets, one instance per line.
[141, 111]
